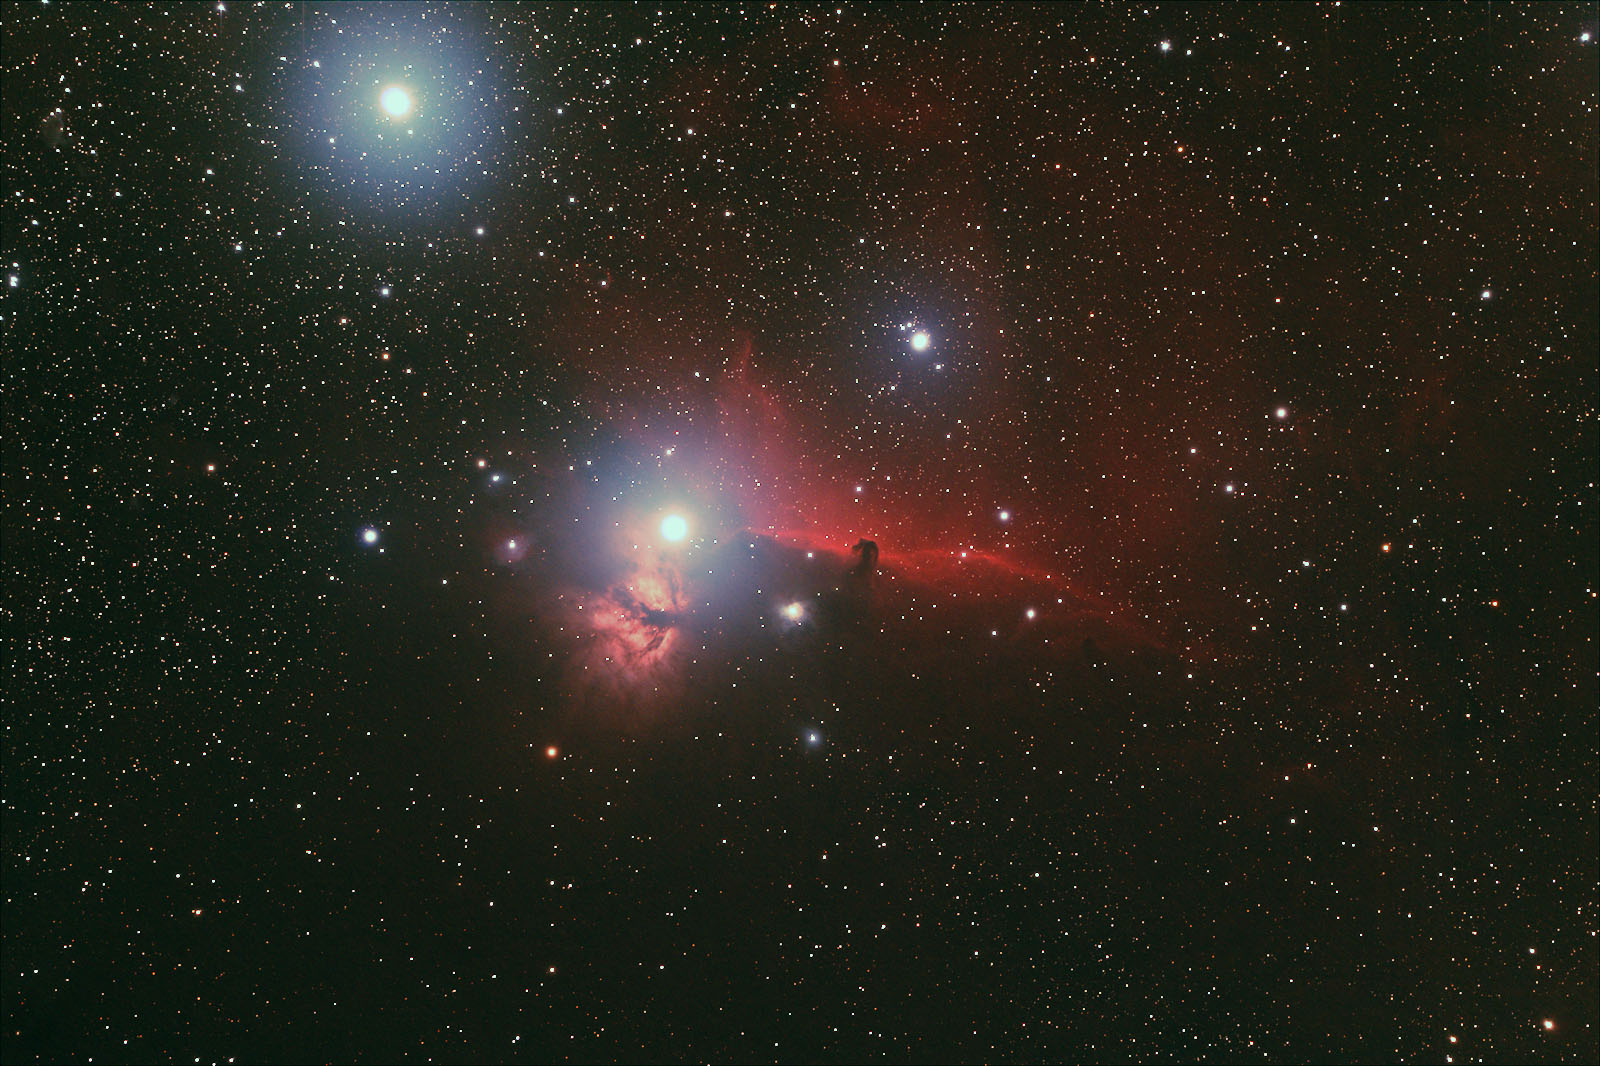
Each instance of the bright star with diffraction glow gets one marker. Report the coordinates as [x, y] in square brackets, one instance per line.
[396, 101]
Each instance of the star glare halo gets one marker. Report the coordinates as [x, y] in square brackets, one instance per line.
[674, 527]
[399, 112]
[396, 101]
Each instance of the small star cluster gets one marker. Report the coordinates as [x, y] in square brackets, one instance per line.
[967, 532]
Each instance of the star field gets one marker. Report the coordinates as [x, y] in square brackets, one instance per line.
[793, 533]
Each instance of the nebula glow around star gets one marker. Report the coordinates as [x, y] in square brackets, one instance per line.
[389, 114]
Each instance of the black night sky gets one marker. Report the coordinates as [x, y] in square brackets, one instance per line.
[800, 533]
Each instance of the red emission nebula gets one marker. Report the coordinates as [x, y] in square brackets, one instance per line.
[786, 530]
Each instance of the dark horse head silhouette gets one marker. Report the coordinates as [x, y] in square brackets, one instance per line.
[868, 550]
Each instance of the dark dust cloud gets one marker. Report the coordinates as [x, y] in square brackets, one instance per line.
[799, 533]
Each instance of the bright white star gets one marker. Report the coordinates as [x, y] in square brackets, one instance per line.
[674, 527]
[396, 101]
[369, 536]
[920, 341]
